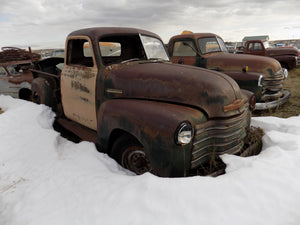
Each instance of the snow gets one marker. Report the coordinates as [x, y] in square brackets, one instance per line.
[48, 180]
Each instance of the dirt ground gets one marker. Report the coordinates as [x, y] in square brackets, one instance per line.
[292, 107]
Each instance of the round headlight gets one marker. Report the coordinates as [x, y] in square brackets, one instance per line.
[184, 133]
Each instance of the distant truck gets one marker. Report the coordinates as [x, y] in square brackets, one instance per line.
[263, 76]
[119, 90]
[15, 76]
[288, 57]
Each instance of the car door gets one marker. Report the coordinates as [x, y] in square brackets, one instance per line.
[78, 82]
[183, 52]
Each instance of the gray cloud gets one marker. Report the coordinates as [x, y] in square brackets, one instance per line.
[33, 22]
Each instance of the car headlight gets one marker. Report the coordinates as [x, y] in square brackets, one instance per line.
[184, 133]
[260, 81]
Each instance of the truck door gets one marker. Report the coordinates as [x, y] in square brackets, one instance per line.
[78, 82]
[255, 48]
[182, 52]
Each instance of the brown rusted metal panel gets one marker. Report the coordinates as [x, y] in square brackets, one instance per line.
[209, 90]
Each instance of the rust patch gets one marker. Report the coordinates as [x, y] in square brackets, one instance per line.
[79, 86]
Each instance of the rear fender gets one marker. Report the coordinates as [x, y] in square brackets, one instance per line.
[153, 124]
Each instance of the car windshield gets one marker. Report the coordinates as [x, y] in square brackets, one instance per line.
[266, 44]
[211, 44]
[13, 69]
[2, 71]
[154, 48]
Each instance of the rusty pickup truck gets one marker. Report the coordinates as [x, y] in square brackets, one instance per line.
[15, 75]
[261, 75]
[288, 57]
[118, 89]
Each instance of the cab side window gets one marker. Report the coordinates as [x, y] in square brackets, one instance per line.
[79, 53]
[255, 46]
[183, 48]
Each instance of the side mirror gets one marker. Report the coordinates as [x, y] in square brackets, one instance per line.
[181, 61]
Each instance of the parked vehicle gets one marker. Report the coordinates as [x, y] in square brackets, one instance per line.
[287, 56]
[15, 76]
[261, 75]
[119, 90]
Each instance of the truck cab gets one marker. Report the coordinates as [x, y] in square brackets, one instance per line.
[119, 90]
[288, 57]
[263, 76]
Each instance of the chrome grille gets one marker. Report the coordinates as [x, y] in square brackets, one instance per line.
[298, 61]
[217, 137]
[272, 86]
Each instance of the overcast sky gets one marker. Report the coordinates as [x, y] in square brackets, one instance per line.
[46, 23]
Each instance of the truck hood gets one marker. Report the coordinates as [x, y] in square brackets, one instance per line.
[174, 83]
[229, 62]
[281, 51]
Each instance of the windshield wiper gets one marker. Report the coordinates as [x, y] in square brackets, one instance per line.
[192, 47]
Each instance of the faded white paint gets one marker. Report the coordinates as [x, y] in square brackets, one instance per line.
[78, 92]
[7, 88]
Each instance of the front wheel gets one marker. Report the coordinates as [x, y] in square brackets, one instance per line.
[42, 92]
[129, 153]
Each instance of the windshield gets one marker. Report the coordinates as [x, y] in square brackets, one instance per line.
[13, 69]
[222, 45]
[211, 44]
[154, 48]
[266, 44]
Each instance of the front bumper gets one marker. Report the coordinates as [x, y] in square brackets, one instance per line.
[273, 104]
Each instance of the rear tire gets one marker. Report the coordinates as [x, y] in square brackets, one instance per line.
[129, 153]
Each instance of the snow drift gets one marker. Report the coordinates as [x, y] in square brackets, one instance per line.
[46, 180]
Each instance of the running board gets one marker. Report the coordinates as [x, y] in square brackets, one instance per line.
[84, 133]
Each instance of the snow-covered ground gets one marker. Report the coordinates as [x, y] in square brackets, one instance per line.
[48, 180]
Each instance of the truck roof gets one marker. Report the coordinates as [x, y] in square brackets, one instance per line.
[196, 35]
[103, 31]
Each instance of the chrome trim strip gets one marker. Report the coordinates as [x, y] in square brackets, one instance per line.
[114, 91]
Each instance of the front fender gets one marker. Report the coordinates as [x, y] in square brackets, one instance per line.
[153, 124]
[286, 61]
[248, 81]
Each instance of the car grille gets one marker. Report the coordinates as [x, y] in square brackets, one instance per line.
[298, 61]
[272, 87]
[217, 137]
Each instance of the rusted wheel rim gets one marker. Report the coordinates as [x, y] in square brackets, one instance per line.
[134, 159]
